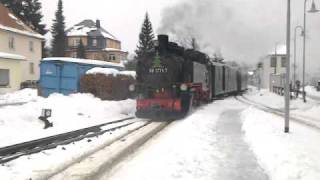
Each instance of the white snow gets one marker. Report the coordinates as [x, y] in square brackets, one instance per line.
[80, 31]
[25, 95]
[110, 71]
[27, 33]
[84, 30]
[11, 56]
[106, 71]
[21, 123]
[84, 61]
[309, 111]
[13, 17]
[193, 148]
[310, 90]
[293, 156]
[112, 49]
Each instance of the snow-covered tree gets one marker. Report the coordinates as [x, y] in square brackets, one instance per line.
[58, 32]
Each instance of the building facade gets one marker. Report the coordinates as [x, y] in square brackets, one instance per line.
[20, 52]
[273, 64]
[99, 44]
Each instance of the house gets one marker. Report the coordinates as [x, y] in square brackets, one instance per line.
[20, 52]
[273, 64]
[99, 44]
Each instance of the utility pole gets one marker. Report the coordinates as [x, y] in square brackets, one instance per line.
[287, 85]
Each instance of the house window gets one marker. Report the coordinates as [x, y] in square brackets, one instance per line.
[74, 54]
[31, 46]
[94, 42]
[273, 62]
[31, 68]
[11, 42]
[76, 42]
[4, 77]
[283, 61]
[112, 57]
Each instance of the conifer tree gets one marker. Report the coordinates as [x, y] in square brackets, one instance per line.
[146, 38]
[81, 51]
[58, 32]
[144, 49]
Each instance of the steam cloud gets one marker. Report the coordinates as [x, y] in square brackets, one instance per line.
[243, 30]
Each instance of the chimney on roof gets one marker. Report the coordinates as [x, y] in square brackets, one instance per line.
[98, 23]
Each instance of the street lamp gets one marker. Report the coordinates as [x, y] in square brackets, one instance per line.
[312, 10]
[295, 51]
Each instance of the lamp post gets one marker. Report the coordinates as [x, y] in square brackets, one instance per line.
[312, 10]
[295, 51]
[287, 86]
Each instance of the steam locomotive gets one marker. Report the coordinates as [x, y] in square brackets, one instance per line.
[174, 79]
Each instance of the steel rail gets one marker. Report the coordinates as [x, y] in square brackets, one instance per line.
[14, 151]
[279, 112]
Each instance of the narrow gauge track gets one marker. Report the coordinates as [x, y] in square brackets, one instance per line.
[10, 153]
[307, 121]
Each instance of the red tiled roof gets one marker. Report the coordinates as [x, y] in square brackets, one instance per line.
[8, 19]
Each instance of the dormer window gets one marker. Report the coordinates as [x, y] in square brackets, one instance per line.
[94, 42]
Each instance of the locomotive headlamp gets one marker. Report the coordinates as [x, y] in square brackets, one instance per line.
[132, 87]
[183, 87]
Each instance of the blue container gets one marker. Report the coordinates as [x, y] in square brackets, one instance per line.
[62, 75]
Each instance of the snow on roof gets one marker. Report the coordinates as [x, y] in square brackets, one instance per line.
[111, 71]
[281, 50]
[112, 49]
[84, 61]
[11, 56]
[10, 22]
[87, 26]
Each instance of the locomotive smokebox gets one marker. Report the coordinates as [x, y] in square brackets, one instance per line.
[163, 41]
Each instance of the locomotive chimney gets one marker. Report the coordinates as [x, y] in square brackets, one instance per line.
[163, 41]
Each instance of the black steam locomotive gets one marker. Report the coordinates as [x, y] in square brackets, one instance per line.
[174, 79]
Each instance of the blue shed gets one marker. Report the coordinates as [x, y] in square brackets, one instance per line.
[62, 75]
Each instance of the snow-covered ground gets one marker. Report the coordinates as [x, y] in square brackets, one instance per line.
[293, 156]
[310, 111]
[21, 96]
[209, 144]
[21, 123]
[312, 91]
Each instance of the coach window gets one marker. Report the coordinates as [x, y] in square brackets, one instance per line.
[283, 61]
[4, 77]
[273, 61]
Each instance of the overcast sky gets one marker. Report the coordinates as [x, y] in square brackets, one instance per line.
[122, 18]
[243, 30]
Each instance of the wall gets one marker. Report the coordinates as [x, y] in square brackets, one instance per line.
[15, 74]
[22, 48]
[267, 70]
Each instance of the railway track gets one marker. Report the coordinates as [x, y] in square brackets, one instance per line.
[12, 152]
[306, 121]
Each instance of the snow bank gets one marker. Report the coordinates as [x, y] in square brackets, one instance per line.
[293, 156]
[312, 91]
[21, 123]
[309, 111]
[110, 71]
[21, 96]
